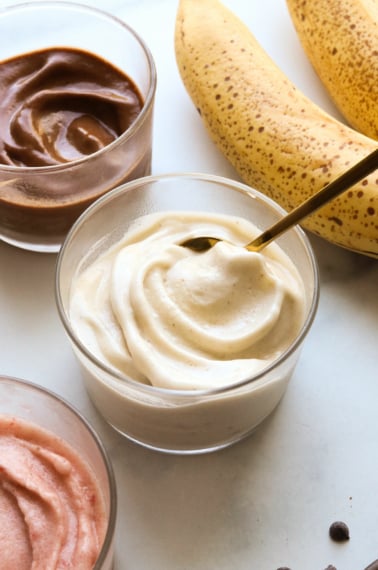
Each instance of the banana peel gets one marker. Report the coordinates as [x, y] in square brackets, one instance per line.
[340, 39]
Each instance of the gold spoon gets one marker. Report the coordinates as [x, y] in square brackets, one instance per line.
[330, 191]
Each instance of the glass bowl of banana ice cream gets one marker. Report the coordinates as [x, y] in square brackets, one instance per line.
[184, 351]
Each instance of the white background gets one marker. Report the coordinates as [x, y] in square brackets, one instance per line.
[269, 500]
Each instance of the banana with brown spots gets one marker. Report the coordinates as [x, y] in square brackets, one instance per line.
[340, 38]
[278, 140]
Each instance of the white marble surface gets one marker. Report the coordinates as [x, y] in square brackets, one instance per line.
[267, 501]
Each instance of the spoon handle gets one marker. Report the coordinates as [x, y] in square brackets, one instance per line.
[330, 191]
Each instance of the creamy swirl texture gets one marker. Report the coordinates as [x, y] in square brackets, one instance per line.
[51, 509]
[167, 316]
[61, 104]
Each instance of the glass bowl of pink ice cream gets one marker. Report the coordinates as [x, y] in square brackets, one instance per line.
[57, 489]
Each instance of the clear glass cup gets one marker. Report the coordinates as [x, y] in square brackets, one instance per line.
[40, 406]
[172, 420]
[38, 205]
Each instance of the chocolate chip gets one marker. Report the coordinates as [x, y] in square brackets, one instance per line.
[283, 568]
[330, 567]
[339, 531]
[373, 565]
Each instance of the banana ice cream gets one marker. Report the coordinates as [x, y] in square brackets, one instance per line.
[167, 316]
[175, 336]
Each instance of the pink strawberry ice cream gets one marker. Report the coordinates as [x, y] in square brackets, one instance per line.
[52, 512]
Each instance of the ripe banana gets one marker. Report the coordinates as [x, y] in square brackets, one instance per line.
[340, 38]
[275, 137]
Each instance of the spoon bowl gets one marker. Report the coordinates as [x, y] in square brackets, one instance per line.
[336, 187]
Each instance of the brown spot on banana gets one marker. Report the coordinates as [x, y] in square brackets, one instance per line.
[277, 139]
[340, 38]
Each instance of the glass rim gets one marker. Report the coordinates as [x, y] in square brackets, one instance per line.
[147, 100]
[111, 523]
[169, 392]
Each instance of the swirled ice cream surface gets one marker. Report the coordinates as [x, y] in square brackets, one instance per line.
[165, 315]
[52, 513]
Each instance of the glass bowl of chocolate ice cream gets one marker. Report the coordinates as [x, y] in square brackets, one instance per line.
[77, 89]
